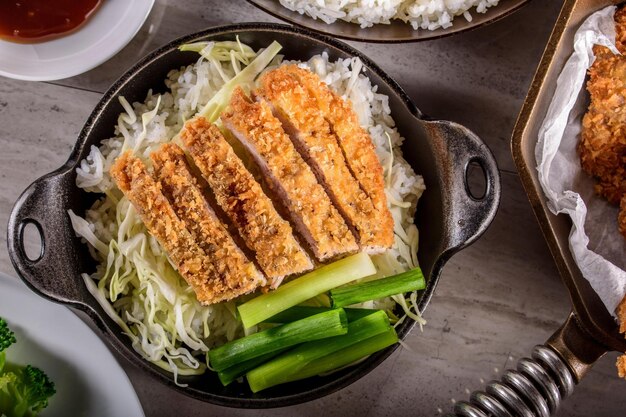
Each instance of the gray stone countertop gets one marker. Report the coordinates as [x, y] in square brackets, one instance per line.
[495, 300]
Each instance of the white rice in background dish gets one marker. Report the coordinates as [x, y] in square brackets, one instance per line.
[135, 282]
[421, 14]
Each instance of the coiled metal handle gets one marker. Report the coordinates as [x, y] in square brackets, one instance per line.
[536, 388]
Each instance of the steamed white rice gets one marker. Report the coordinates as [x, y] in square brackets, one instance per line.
[421, 14]
[135, 282]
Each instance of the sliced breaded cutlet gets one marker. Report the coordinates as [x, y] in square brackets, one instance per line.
[241, 197]
[290, 178]
[303, 120]
[133, 178]
[355, 142]
[179, 186]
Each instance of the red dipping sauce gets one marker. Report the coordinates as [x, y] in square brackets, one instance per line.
[32, 21]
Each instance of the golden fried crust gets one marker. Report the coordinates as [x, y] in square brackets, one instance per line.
[313, 136]
[621, 366]
[237, 274]
[621, 317]
[620, 29]
[133, 178]
[602, 147]
[356, 144]
[290, 177]
[242, 199]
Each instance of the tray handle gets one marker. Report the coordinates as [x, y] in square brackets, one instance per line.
[459, 148]
[44, 204]
[541, 383]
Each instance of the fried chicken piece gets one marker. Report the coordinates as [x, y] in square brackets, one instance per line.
[133, 178]
[602, 147]
[241, 197]
[290, 178]
[181, 189]
[313, 137]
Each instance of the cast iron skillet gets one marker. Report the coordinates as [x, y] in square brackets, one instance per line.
[448, 216]
[395, 32]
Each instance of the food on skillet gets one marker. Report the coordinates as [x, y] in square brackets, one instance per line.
[602, 147]
[420, 14]
[218, 190]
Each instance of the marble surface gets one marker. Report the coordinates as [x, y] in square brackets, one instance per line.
[496, 299]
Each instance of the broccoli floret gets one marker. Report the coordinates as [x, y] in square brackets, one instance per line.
[37, 388]
[24, 390]
[7, 338]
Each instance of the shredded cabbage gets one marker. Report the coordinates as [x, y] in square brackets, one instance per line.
[244, 79]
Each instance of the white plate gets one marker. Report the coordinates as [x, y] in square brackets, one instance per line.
[105, 34]
[88, 379]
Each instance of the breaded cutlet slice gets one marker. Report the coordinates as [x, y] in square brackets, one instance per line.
[290, 178]
[355, 142]
[236, 191]
[179, 186]
[302, 119]
[133, 178]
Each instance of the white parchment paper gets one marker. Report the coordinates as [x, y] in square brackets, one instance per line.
[595, 242]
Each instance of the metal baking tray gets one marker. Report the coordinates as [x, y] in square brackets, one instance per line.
[587, 306]
[539, 384]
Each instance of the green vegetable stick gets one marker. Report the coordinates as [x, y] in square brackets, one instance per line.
[305, 287]
[279, 370]
[323, 325]
[372, 290]
[294, 313]
[341, 358]
[228, 375]
[299, 312]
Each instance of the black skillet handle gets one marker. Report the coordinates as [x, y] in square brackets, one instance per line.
[459, 148]
[51, 274]
[540, 383]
